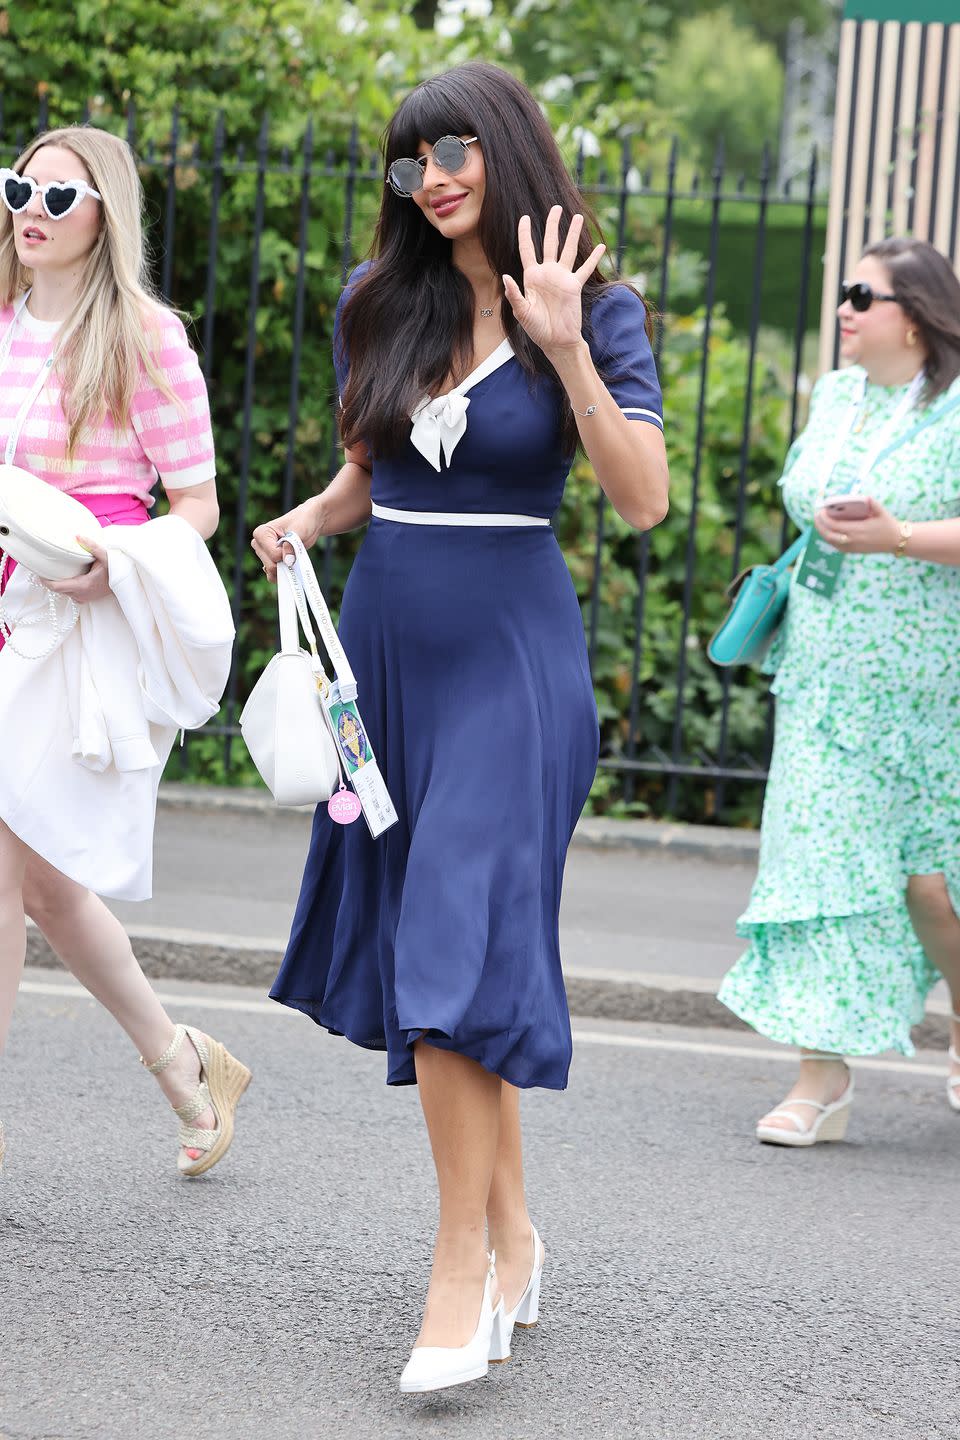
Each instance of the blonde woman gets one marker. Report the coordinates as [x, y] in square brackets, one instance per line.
[99, 394]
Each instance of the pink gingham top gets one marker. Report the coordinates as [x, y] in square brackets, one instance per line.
[161, 439]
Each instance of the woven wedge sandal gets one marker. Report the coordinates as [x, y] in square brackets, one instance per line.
[222, 1082]
[953, 1081]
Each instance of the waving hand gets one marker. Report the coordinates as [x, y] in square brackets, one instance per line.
[548, 307]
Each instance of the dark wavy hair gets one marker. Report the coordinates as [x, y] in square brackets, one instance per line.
[409, 321]
[928, 290]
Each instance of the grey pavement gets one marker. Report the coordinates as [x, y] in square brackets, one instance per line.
[625, 910]
[647, 925]
[699, 1286]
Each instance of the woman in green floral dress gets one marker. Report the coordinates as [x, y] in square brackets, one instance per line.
[854, 913]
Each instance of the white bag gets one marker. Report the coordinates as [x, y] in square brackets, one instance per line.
[39, 526]
[284, 723]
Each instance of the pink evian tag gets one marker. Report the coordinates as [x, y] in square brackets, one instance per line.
[343, 807]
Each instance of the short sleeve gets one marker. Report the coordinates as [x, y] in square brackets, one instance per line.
[341, 352]
[623, 356]
[175, 436]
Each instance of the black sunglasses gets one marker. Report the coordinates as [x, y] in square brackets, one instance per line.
[861, 295]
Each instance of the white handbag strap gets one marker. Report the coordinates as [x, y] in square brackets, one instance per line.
[291, 604]
[309, 586]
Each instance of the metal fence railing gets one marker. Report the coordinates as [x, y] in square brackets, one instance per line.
[254, 240]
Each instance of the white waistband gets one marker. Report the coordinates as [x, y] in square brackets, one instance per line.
[443, 517]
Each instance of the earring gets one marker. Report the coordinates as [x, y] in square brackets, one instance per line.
[911, 337]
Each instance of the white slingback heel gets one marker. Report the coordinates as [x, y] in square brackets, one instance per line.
[526, 1312]
[953, 1081]
[829, 1122]
[437, 1367]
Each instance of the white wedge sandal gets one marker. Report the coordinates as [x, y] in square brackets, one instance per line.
[829, 1122]
[223, 1079]
[437, 1367]
[953, 1081]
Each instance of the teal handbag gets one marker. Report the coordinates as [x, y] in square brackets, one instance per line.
[759, 598]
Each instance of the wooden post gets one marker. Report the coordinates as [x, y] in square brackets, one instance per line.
[896, 149]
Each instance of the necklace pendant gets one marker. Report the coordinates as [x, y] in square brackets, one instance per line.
[485, 314]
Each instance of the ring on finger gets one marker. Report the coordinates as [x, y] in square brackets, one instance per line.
[843, 539]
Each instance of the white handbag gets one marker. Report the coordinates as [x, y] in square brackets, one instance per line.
[284, 722]
[39, 526]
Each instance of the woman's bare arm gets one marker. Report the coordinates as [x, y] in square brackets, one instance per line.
[344, 505]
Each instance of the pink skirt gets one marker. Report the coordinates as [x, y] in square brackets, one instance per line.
[109, 510]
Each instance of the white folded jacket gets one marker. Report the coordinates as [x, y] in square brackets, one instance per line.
[85, 732]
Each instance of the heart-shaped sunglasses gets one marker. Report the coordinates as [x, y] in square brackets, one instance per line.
[59, 198]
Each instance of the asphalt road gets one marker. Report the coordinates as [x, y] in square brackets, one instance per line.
[700, 1286]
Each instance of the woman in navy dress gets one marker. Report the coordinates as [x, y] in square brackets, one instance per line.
[473, 354]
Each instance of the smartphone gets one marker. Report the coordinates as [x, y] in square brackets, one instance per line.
[847, 507]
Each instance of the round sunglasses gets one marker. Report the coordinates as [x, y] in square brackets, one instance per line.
[861, 295]
[59, 198]
[450, 154]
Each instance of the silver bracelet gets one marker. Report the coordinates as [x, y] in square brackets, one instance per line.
[585, 414]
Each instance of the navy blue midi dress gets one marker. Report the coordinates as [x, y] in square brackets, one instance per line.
[469, 653]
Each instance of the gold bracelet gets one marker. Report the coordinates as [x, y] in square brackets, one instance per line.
[906, 530]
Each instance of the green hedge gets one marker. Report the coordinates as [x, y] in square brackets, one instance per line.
[736, 252]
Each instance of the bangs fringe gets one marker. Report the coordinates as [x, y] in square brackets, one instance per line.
[431, 110]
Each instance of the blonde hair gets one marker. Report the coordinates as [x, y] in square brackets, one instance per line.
[106, 338]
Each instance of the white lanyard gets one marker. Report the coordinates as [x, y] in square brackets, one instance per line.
[907, 403]
[20, 419]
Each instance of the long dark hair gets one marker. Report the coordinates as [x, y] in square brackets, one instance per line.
[929, 292]
[409, 321]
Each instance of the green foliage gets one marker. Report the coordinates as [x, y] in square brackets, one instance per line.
[292, 57]
[245, 57]
[719, 81]
[595, 65]
[769, 22]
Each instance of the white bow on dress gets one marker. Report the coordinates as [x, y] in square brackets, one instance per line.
[439, 424]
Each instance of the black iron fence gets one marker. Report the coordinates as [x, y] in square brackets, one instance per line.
[253, 241]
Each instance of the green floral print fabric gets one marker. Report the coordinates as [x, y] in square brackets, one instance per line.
[864, 786]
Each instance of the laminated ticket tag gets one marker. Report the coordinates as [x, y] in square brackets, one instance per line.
[820, 567]
[360, 763]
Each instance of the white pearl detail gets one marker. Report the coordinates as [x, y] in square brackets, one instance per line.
[59, 631]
